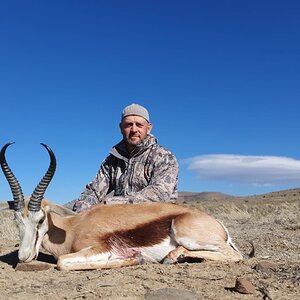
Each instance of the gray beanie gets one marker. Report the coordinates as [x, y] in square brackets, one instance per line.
[135, 110]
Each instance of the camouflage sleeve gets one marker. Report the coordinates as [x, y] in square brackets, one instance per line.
[162, 186]
[95, 191]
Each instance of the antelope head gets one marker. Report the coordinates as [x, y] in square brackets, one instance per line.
[30, 216]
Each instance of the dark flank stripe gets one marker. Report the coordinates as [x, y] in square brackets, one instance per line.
[143, 235]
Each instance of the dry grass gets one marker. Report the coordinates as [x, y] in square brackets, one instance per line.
[283, 213]
[8, 228]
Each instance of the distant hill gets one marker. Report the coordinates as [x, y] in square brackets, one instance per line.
[182, 197]
[186, 197]
[203, 196]
[189, 197]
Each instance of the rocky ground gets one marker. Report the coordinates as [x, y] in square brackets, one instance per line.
[270, 222]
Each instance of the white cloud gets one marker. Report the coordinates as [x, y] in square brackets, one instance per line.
[254, 170]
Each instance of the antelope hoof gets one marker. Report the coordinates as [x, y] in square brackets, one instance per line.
[168, 261]
[141, 260]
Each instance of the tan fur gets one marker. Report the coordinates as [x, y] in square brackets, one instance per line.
[105, 228]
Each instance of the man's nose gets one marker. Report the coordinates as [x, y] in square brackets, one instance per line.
[133, 127]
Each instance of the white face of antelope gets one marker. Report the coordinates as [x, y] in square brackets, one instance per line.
[32, 229]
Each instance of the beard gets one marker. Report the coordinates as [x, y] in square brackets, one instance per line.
[133, 141]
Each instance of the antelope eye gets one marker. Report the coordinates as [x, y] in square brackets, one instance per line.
[41, 221]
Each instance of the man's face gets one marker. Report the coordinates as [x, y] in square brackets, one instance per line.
[134, 129]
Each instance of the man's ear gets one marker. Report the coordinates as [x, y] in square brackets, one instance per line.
[121, 127]
[149, 128]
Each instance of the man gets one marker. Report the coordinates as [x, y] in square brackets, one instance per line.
[137, 169]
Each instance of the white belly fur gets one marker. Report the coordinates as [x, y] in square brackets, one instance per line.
[157, 252]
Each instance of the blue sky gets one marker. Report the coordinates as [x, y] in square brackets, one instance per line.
[221, 80]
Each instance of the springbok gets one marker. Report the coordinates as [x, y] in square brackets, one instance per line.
[108, 236]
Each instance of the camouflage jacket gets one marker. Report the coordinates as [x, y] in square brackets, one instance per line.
[148, 174]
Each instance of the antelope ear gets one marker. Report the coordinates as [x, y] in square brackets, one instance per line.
[59, 210]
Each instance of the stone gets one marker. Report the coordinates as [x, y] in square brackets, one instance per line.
[244, 286]
[266, 266]
[33, 266]
[171, 294]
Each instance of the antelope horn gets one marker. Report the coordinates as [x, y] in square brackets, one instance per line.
[12, 181]
[38, 194]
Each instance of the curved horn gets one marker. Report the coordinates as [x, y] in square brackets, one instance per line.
[38, 194]
[12, 181]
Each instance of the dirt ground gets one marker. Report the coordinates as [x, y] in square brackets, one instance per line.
[271, 222]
